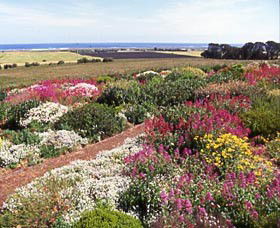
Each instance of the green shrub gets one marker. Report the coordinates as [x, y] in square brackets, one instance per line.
[218, 67]
[137, 113]
[273, 148]
[60, 62]
[4, 110]
[106, 60]
[263, 117]
[49, 151]
[83, 60]
[104, 79]
[27, 64]
[24, 136]
[17, 112]
[113, 96]
[35, 64]
[107, 218]
[95, 121]
[173, 92]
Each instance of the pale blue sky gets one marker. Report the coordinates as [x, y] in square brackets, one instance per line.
[196, 21]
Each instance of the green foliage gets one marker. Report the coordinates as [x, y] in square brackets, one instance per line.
[95, 121]
[273, 149]
[24, 136]
[171, 93]
[4, 110]
[17, 112]
[49, 151]
[142, 197]
[3, 94]
[107, 218]
[263, 117]
[113, 96]
[104, 79]
[137, 113]
[60, 62]
[218, 67]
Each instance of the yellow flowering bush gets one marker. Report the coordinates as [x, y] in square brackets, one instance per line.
[231, 153]
[193, 70]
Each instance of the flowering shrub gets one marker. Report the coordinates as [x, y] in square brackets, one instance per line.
[70, 190]
[95, 121]
[61, 139]
[64, 91]
[264, 72]
[229, 153]
[45, 113]
[11, 155]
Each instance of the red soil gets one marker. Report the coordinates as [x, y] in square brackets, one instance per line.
[13, 179]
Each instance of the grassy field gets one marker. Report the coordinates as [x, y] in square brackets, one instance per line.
[20, 58]
[185, 53]
[22, 76]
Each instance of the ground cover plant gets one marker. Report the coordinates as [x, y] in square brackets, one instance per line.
[209, 156]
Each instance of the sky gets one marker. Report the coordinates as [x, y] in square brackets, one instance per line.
[187, 21]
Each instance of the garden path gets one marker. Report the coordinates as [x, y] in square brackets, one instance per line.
[12, 179]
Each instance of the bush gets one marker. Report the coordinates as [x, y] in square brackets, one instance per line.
[14, 65]
[0, 67]
[7, 66]
[35, 64]
[173, 92]
[107, 218]
[113, 96]
[263, 117]
[104, 79]
[60, 62]
[83, 60]
[137, 113]
[24, 136]
[3, 94]
[4, 110]
[18, 111]
[49, 151]
[95, 121]
[106, 60]
[27, 64]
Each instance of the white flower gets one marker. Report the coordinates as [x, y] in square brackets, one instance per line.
[82, 89]
[13, 154]
[62, 138]
[98, 179]
[48, 112]
[146, 73]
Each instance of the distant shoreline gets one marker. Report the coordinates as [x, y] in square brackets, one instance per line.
[78, 46]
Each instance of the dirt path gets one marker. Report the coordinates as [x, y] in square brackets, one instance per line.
[13, 179]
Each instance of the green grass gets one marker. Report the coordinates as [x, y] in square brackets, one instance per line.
[21, 57]
[22, 76]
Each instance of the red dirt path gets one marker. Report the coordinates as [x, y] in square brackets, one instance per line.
[13, 179]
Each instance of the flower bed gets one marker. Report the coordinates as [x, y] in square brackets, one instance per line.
[209, 157]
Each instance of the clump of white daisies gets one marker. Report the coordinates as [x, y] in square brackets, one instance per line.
[92, 181]
[61, 139]
[12, 154]
[48, 112]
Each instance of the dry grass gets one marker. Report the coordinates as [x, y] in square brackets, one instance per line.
[21, 57]
[22, 76]
[185, 53]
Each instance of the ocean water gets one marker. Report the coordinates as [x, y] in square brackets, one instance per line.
[55, 46]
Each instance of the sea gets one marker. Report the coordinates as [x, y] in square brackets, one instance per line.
[65, 46]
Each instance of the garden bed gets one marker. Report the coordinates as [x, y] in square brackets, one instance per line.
[209, 156]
